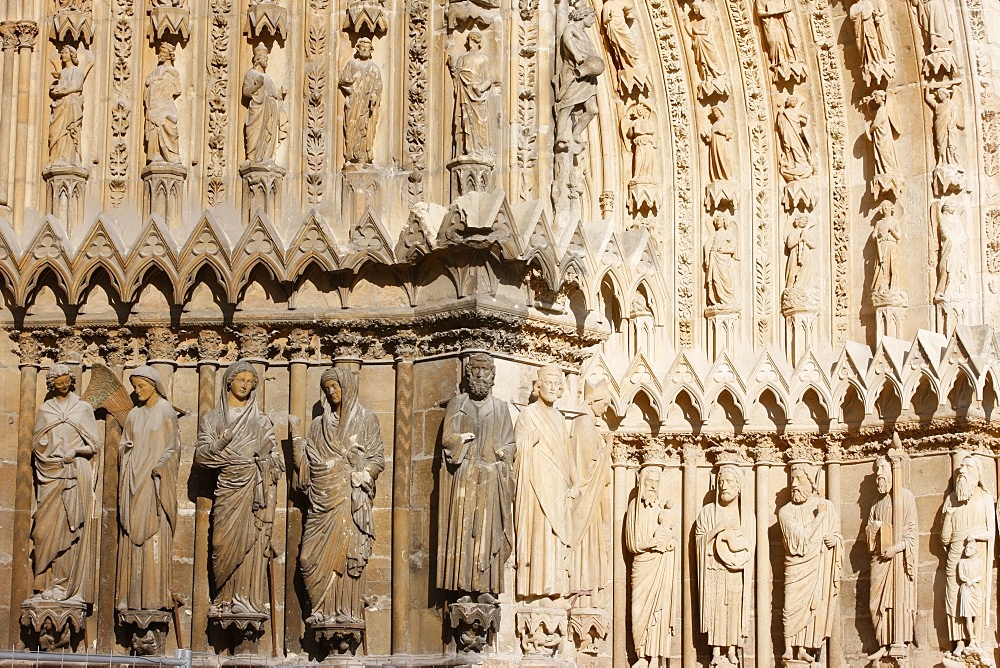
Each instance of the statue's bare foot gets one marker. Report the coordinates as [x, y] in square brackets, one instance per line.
[804, 655]
[877, 655]
[731, 655]
[959, 648]
[787, 656]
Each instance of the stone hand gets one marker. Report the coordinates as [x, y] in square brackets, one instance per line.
[829, 541]
[467, 436]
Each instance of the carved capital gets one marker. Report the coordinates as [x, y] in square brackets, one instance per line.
[300, 344]
[29, 348]
[27, 34]
[8, 35]
[766, 454]
[210, 347]
[255, 342]
[623, 453]
[72, 348]
[161, 344]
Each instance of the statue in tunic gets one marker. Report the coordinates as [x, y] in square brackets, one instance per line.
[590, 571]
[64, 441]
[969, 519]
[546, 489]
[781, 39]
[707, 55]
[237, 439]
[725, 537]
[617, 17]
[718, 138]
[799, 246]
[163, 87]
[874, 40]
[888, 233]
[948, 123]
[473, 82]
[721, 257]
[938, 28]
[792, 122]
[640, 130]
[652, 536]
[337, 465]
[66, 120]
[814, 549]
[266, 123]
[361, 82]
[953, 252]
[476, 525]
[147, 496]
[883, 129]
[577, 68]
[893, 560]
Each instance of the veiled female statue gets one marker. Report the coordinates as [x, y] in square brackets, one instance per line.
[237, 439]
[337, 465]
[147, 496]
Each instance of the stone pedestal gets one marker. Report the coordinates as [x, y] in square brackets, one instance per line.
[470, 173]
[169, 23]
[643, 197]
[720, 195]
[65, 193]
[53, 622]
[588, 625]
[541, 630]
[242, 632]
[340, 637]
[890, 305]
[722, 332]
[360, 191]
[948, 314]
[261, 190]
[266, 18]
[948, 179]
[147, 630]
[163, 193]
[473, 623]
[799, 307]
[73, 25]
[969, 658]
[798, 195]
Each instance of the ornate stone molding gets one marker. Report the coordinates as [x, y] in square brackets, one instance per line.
[218, 106]
[417, 26]
[121, 103]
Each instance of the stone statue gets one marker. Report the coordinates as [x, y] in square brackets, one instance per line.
[361, 83]
[949, 121]
[477, 485]
[66, 121]
[707, 55]
[871, 31]
[147, 497]
[237, 439]
[726, 536]
[546, 490]
[590, 571]
[337, 465]
[814, 551]
[893, 544]
[652, 536]
[888, 233]
[792, 122]
[640, 130]
[883, 130]
[781, 40]
[721, 258]
[718, 138]
[163, 87]
[63, 443]
[474, 80]
[799, 246]
[577, 68]
[969, 520]
[266, 123]
[617, 17]
[937, 25]
[953, 252]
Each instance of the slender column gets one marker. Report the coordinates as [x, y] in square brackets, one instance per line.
[833, 493]
[8, 35]
[297, 372]
[21, 576]
[689, 513]
[899, 576]
[765, 458]
[106, 578]
[203, 509]
[401, 454]
[624, 481]
[27, 35]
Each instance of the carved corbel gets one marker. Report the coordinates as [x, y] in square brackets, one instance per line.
[74, 23]
[169, 20]
[266, 18]
[366, 17]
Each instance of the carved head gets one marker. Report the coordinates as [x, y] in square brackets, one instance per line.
[714, 114]
[803, 485]
[947, 207]
[649, 485]
[970, 549]
[330, 384]
[475, 40]
[363, 49]
[480, 373]
[730, 482]
[942, 94]
[878, 98]
[166, 52]
[584, 13]
[800, 222]
[241, 380]
[883, 475]
[886, 208]
[720, 222]
[260, 56]
[69, 55]
[60, 379]
[967, 478]
[549, 386]
[146, 383]
[791, 102]
[595, 394]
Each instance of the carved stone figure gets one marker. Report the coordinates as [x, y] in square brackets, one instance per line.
[163, 87]
[792, 122]
[652, 536]
[640, 130]
[64, 441]
[799, 246]
[721, 258]
[707, 55]
[718, 138]
[969, 520]
[592, 507]
[781, 40]
[266, 123]
[949, 122]
[546, 489]
[577, 68]
[953, 252]
[888, 233]
[617, 17]
[883, 130]
[337, 465]
[937, 25]
[66, 120]
[361, 83]
[893, 544]
[872, 33]
[237, 439]
[477, 485]
[147, 496]
[814, 551]
[472, 73]
[725, 536]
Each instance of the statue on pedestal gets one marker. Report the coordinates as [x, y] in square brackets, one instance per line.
[266, 123]
[66, 121]
[163, 87]
[361, 82]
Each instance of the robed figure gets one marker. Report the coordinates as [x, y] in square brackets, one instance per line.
[266, 123]
[652, 536]
[66, 120]
[337, 466]
[63, 443]
[874, 40]
[237, 439]
[726, 536]
[814, 552]
[969, 517]
[361, 82]
[577, 68]
[147, 496]
[721, 257]
[474, 79]
[476, 532]
[546, 481]
[163, 87]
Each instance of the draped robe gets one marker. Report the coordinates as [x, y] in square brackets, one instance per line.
[60, 532]
[265, 116]
[543, 512]
[163, 86]
[592, 508]
[975, 518]
[66, 121]
[726, 592]
[339, 531]
[361, 82]
[147, 507]
[884, 583]
[652, 581]
[473, 82]
[476, 492]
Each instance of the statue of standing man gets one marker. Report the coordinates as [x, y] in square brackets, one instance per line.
[163, 87]
[361, 82]
[266, 122]
[474, 80]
